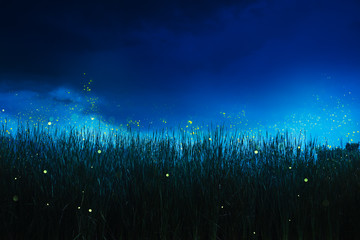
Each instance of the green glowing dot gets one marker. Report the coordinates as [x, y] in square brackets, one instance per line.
[222, 206]
[49, 123]
[325, 203]
[256, 151]
[90, 210]
[47, 204]
[78, 207]
[45, 171]
[15, 198]
[290, 168]
[306, 180]
[99, 151]
[167, 175]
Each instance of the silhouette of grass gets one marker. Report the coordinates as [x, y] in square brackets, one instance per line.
[214, 185]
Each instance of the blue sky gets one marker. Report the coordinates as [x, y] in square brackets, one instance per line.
[279, 62]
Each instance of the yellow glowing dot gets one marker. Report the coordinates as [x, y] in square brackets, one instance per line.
[298, 147]
[78, 207]
[306, 180]
[210, 139]
[254, 233]
[45, 171]
[92, 118]
[47, 204]
[90, 210]
[99, 151]
[222, 206]
[15, 198]
[15, 178]
[256, 151]
[49, 123]
[290, 168]
[167, 175]
[190, 122]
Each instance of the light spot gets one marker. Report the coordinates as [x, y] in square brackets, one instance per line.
[167, 175]
[45, 171]
[256, 151]
[15, 198]
[49, 123]
[325, 203]
[306, 180]
[99, 151]
[90, 210]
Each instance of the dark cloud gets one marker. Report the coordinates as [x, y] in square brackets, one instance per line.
[41, 38]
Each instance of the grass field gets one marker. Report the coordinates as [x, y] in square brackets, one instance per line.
[170, 185]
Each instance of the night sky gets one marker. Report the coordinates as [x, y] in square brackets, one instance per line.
[270, 65]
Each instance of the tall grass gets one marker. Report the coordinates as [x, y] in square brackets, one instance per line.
[172, 185]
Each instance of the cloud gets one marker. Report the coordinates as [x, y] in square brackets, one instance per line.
[45, 38]
[66, 96]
